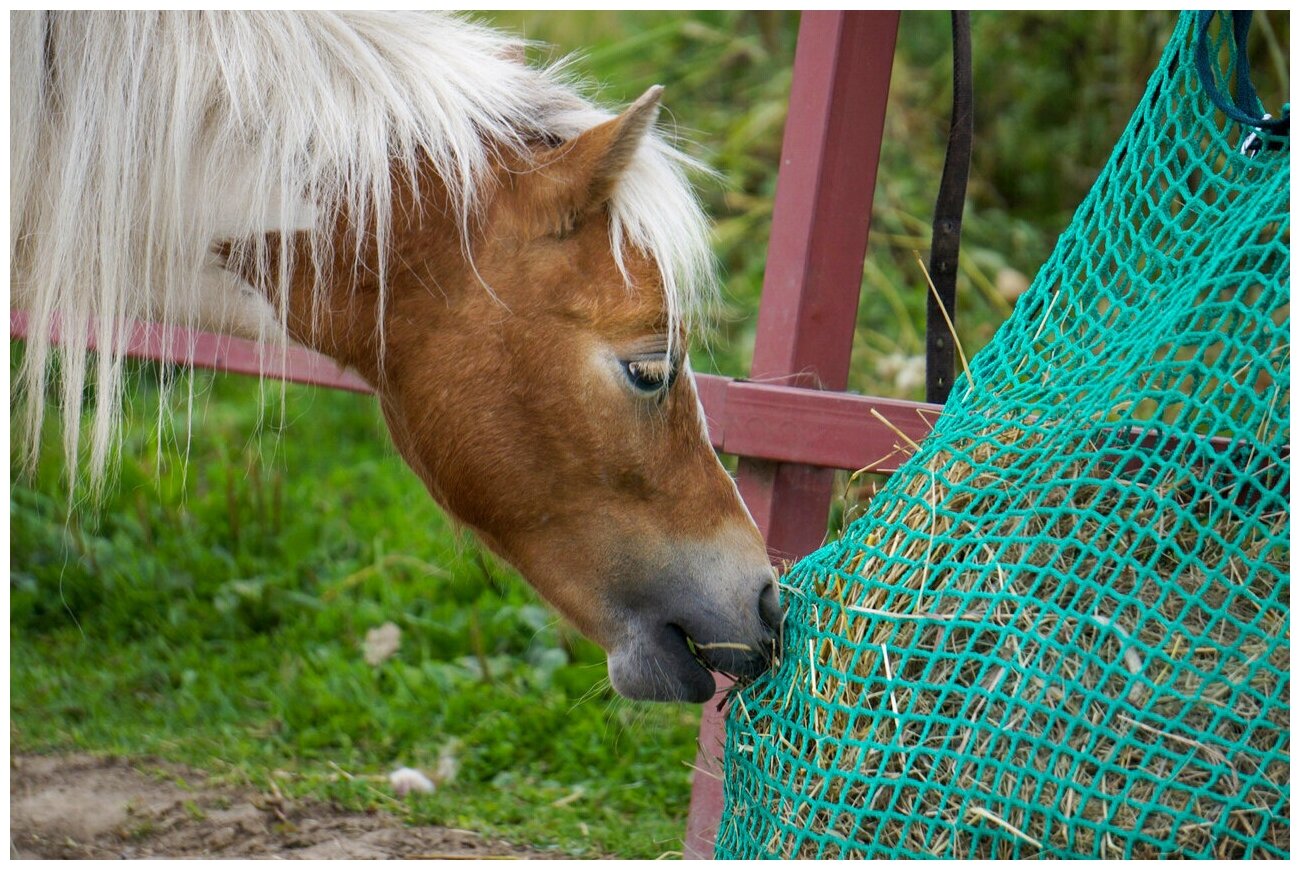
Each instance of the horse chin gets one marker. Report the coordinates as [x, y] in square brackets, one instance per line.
[659, 666]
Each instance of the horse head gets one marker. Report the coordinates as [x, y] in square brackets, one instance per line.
[533, 373]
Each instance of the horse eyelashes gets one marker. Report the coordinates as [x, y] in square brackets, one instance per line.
[649, 376]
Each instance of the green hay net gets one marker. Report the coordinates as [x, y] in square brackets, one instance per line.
[1062, 630]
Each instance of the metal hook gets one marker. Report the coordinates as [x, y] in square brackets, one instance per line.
[1252, 143]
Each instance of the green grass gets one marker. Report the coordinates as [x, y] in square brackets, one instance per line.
[218, 620]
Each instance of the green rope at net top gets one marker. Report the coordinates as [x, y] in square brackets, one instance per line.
[1063, 628]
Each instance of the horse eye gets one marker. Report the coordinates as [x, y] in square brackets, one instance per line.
[649, 376]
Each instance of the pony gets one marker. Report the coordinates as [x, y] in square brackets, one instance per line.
[515, 271]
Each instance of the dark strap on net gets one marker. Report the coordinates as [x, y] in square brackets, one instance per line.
[1245, 106]
[940, 356]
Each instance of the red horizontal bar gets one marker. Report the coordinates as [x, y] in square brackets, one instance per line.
[827, 429]
[765, 421]
[205, 350]
[762, 421]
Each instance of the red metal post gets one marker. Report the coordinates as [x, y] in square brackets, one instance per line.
[821, 218]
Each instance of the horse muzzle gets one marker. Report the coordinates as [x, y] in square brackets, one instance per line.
[674, 660]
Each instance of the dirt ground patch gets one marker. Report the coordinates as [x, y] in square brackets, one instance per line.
[83, 806]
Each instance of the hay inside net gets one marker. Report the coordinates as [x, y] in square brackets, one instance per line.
[1063, 628]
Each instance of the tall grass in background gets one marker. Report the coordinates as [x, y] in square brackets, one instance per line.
[215, 609]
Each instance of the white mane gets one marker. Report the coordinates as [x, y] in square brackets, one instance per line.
[140, 139]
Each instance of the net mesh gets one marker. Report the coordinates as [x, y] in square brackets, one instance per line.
[1063, 628]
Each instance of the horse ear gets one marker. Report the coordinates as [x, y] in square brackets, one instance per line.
[579, 176]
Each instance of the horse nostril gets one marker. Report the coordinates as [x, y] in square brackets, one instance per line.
[769, 609]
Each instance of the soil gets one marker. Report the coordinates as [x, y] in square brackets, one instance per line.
[84, 806]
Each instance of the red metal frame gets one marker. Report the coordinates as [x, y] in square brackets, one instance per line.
[821, 219]
[745, 418]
